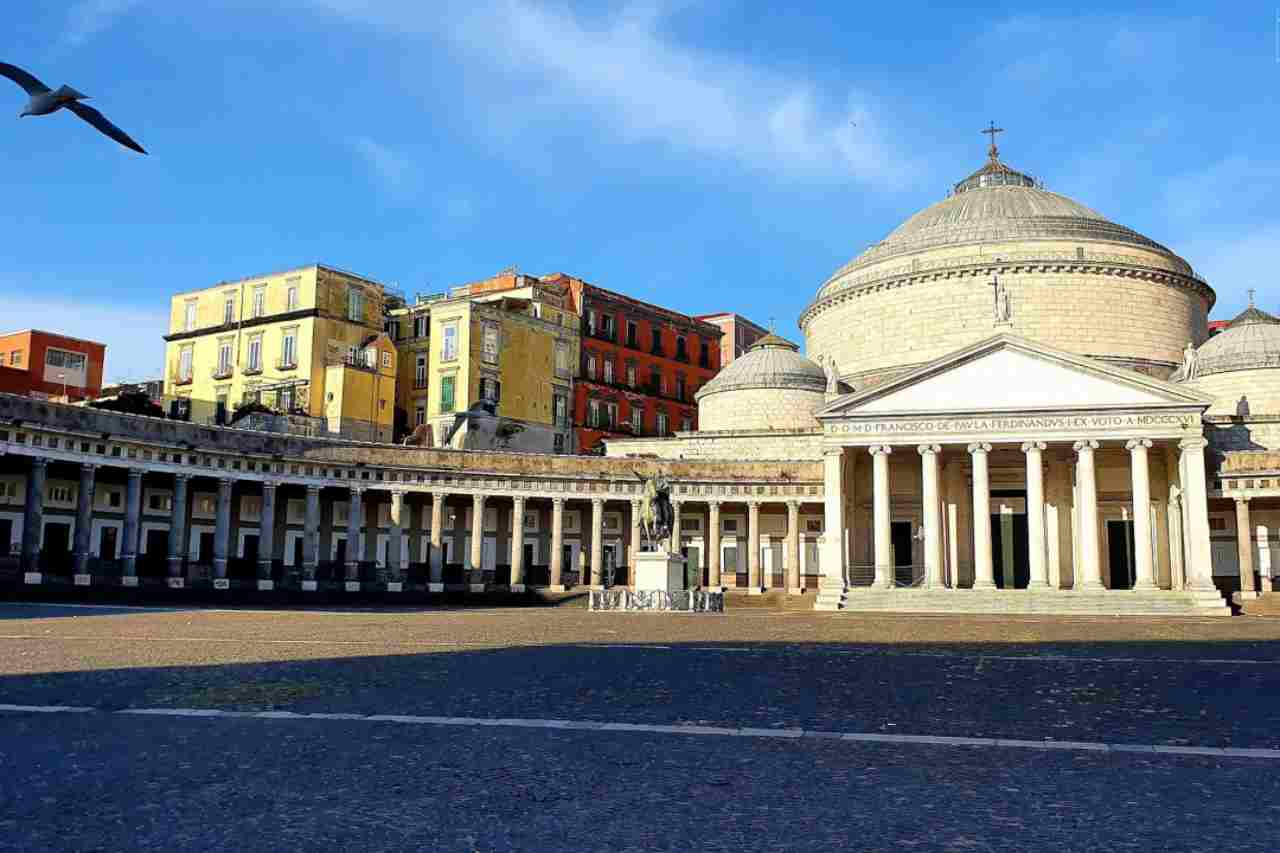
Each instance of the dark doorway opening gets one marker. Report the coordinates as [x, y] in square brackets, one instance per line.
[340, 553]
[6, 535]
[1120, 545]
[900, 535]
[1010, 551]
[108, 538]
[56, 553]
[206, 549]
[297, 554]
[154, 561]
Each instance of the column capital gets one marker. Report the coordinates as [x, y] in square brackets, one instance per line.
[1243, 500]
[1137, 443]
[979, 447]
[793, 505]
[597, 502]
[356, 490]
[135, 472]
[714, 505]
[311, 487]
[268, 485]
[397, 494]
[1197, 443]
[1034, 446]
[41, 461]
[880, 449]
[438, 495]
[754, 504]
[1088, 444]
[833, 451]
[478, 497]
[185, 477]
[925, 449]
[558, 503]
[223, 482]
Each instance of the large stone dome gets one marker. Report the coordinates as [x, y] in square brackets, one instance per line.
[771, 386]
[1071, 278]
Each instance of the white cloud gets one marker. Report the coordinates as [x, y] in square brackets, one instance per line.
[90, 17]
[397, 173]
[133, 335]
[640, 85]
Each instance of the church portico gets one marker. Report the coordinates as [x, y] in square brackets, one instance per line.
[1052, 496]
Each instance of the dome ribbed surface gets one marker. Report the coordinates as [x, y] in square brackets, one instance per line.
[772, 362]
[998, 204]
[1251, 341]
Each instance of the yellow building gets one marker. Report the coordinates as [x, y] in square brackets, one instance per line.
[306, 343]
[509, 339]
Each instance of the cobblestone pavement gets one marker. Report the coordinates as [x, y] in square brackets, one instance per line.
[102, 780]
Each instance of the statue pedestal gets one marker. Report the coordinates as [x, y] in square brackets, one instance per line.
[658, 570]
[660, 588]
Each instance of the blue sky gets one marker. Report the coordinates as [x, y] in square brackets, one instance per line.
[704, 155]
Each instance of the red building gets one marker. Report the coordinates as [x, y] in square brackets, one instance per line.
[738, 334]
[640, 367]
[52, 366]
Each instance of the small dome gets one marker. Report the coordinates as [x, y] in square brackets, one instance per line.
[772, 362]
[1250, 341]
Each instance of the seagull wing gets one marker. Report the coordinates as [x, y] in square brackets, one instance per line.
[23, 79]
[99, 121]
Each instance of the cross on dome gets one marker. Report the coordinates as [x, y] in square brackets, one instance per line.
[993, 152]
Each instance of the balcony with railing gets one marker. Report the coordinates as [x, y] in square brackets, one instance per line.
[286, 363]
[222, 371]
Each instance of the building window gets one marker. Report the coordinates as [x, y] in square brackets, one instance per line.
[562, 359]
[229, 309]
[490, 389]
[591, 321]
[189, 315]
[637, 420]
[65, 359]
[704, 355]
[355, 305]
[446, 394]
[611, 415]
[419, 415]
[15, 358]
[591, 365]
[289, 350]
[606, 327]
[593, 413]
[633, 334]
[489, 343]
[631, 375]
[560, 410]
[393, 329]
[558, 442]
[729, 559]
[682, 349]
[260, 300]
[660, 425]
[184, 363]
[662, 384]
[420, 326]
[386, 359]
[449, 343]
[420, 371]
[686, 424]
[680, 387]
[285, 399]
[255, 353]
[657, 342]
[291, 295]
[224, 358]
[608, 371]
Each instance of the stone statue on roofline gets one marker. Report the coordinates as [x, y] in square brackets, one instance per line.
[828, 365]
[1190, 368]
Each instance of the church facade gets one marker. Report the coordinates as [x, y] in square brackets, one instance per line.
[1008, 405]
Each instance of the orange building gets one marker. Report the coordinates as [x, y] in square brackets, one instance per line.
[738, 334]
[54, 366]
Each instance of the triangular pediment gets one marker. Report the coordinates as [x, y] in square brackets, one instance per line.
[1008, 374]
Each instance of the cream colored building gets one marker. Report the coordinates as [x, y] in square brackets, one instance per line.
[302, 342]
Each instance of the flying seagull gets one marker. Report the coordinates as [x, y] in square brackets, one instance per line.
[44, 101]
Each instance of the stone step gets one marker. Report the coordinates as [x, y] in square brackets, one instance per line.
[1015, 602]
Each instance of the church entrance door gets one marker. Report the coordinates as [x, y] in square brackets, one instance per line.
[1120, 544]
[1010, 542]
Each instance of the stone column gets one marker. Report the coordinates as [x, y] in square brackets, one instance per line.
[222, 530]
[713, 546]
[355, 521]
[517, 544]
[33, 517]
[395, 539]
[634, 560]
[1244, 543]
[436, 578]
[84, 522]
[753, 547]
[932, 505]
[793, 549]
[674, 542]
[833, 535]
[1200, 558]
[311, 536]
[266, 532]
[132, 527]
[983, 569]
[881, 516]
[178, 526]
[1037, 540]
[597, 542]
[477, 540]
[557, 545]
[1089, 571]
[955, 499]
[1144, 566]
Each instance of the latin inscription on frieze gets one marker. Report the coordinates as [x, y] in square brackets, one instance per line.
[1021, 425]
